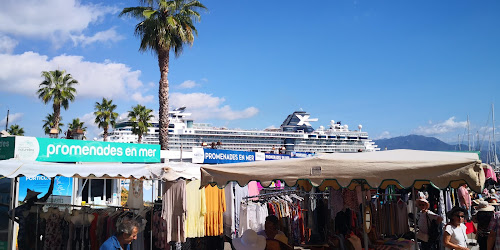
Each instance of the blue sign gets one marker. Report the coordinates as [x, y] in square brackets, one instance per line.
[302, 154]
[270, 157]
[219, 156]
[63, 186]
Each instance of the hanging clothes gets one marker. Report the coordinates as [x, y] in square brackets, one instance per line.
[234, 195]
[174, 209]
[196, 209]
[135, 194]
[216, 206]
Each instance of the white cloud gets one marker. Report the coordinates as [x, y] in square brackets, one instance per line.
[189, 84]
[138, 97]
[441, 128]
[205, 106]
[383, 135]
[102, 36]
[56, 20]
[20, 74]
[13, 119]
[7, 44]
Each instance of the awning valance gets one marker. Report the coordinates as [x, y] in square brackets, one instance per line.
[166, 171]
[402, 167]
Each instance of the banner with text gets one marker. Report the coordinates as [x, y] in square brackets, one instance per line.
[220, 156]
[62, 150]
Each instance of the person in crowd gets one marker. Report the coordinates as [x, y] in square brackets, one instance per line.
[271, 228]
[454, 236]
[483, 217]
[464, 199]
[25, 215]
[424, 217]
[250, 240]
[494, 236]
[126, 232]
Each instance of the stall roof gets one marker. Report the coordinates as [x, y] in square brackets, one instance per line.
[402, 167]
[166, 171]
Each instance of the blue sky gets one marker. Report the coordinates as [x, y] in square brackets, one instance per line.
[396, 67]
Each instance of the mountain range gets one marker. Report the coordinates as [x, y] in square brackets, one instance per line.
[419, 142]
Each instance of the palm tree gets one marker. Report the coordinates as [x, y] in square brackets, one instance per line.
[48, 123]
[140, 116]
[76, 124]
[105, 115]
[165, 25]
[15, 130]
[58, 88]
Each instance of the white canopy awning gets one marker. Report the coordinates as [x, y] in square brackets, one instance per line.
[168, 171]
[402, 167]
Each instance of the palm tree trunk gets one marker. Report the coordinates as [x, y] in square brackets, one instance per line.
[57, 117]
[105, 134]
[163, 59]
[139, 140]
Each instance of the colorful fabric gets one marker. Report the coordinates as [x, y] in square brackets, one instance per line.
[216, 206]
[494, 227]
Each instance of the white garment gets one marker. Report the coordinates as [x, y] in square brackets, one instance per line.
[252, 216]
[135, 194]
[423, 226]
[458, 235]
[234, 196]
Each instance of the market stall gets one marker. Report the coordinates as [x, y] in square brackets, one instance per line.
[403, 167]
[365, 171]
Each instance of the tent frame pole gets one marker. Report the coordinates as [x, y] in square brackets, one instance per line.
[414, 215]
[363, 212]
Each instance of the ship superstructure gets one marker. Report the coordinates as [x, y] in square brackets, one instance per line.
[294, 135]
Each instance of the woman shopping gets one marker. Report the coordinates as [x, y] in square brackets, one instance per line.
[454, 236]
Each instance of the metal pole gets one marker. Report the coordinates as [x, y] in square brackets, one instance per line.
[13, 203]
[7, 122]
[152, 212]
[363, 211]
[414, 216]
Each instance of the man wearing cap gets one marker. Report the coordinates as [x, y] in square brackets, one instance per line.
[425, 216]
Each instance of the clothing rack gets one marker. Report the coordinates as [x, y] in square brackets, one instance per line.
[282, 192]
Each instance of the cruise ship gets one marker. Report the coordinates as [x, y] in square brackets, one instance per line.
[295, 135]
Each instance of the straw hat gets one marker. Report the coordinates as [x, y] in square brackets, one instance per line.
[478, 200]
[494, 202]
[484, 206]
[31, 194]
[250, 241]
[283, 239]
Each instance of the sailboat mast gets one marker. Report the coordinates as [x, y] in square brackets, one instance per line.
[468, 133]
[494, 141]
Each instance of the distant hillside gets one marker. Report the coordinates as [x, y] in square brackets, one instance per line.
[417, 142]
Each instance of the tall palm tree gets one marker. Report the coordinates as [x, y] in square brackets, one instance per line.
[15, 130]
[48, 123]
[105, 115]
[57, 87]
[140, 117]
[165, 25]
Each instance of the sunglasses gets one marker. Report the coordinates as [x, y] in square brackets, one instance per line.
[460, 216]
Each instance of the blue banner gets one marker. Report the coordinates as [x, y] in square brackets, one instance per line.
[302, 154]
[219, 156]
[63, 186]
[270, 157]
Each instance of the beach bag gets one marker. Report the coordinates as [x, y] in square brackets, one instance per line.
[432, 230]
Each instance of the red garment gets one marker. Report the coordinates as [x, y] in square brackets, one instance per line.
[470, 228]
[94, 243]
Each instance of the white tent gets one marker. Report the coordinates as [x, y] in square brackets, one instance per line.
[167, 171]
[402, 167]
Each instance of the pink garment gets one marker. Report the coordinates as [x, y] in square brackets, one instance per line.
[488, 173]
[463, 196]
[253, 188]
